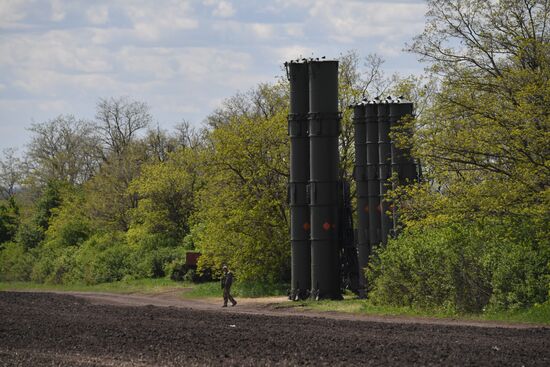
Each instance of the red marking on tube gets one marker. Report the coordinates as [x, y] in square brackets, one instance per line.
[379, 208]
[306, 226]
[326, 226]
[366, 208]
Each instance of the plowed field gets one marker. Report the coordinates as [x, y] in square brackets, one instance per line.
[39, 329]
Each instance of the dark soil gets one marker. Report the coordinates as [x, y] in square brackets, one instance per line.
[59, 330]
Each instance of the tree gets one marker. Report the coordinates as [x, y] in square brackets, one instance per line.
[242, 214]
[9, 220]
[489, 127]
[187, 136]
[264, 101]
[119, 120]
[108, 199]
[63, 148]
[479, 223]
[11, 173]
[32, 230]
[167, 191]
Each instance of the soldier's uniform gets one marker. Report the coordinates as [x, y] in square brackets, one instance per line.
[227, 281]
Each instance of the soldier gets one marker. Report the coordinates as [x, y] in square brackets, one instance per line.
[227, 281]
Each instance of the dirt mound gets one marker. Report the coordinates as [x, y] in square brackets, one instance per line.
[62, 330]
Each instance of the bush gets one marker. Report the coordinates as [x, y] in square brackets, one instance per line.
[521, 266]
[176, 270]
[9, 220]
[29, 235]
[103, 258]
[461, 267]
[15, 262]
[190, 276]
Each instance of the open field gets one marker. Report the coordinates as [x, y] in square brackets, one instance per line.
[539, 314]
[122, 330]
[128, 286]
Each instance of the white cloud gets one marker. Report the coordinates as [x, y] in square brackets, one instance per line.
[294, 29]
[11, 11]
[98, 14]
[279, 6]
[262, 30]
[223, 9]
[195, 64]
[151, 20]
[54, 50]
[105, 36]
[350, 20]
[48, 83]
[286, 53]
[57, 10]
[246, 32]
[54, 106]
[389, 49]
[182, 61]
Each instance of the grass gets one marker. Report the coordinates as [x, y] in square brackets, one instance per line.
[245, 290]
[538, 314]
[201, 290]
[123, 286]
[204, 290]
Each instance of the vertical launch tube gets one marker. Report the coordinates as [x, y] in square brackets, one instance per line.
[373, 186]
[403, 166]
[384, 162]
[298, 181]
[402, 162]
[324, 121]
[360, 172]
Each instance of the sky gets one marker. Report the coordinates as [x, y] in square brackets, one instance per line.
[181, 57]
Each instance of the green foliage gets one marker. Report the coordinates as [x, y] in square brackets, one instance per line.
[108, 200]
[463, 267]
[15, 262]
[49, 200]
[54, 265]
[477, 229]
[69, 224]
[31, 231]
[242, 211]
[166, 193]
[9, 220]
[436, 267]
[103, 258]
[29, 235]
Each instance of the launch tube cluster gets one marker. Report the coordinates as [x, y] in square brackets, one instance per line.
[377, 160]
[320, 251]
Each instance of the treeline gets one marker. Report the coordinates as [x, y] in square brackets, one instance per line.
[111, 199]
[115, 198]
[477, 229]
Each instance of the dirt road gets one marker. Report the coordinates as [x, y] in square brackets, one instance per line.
[139, 330]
